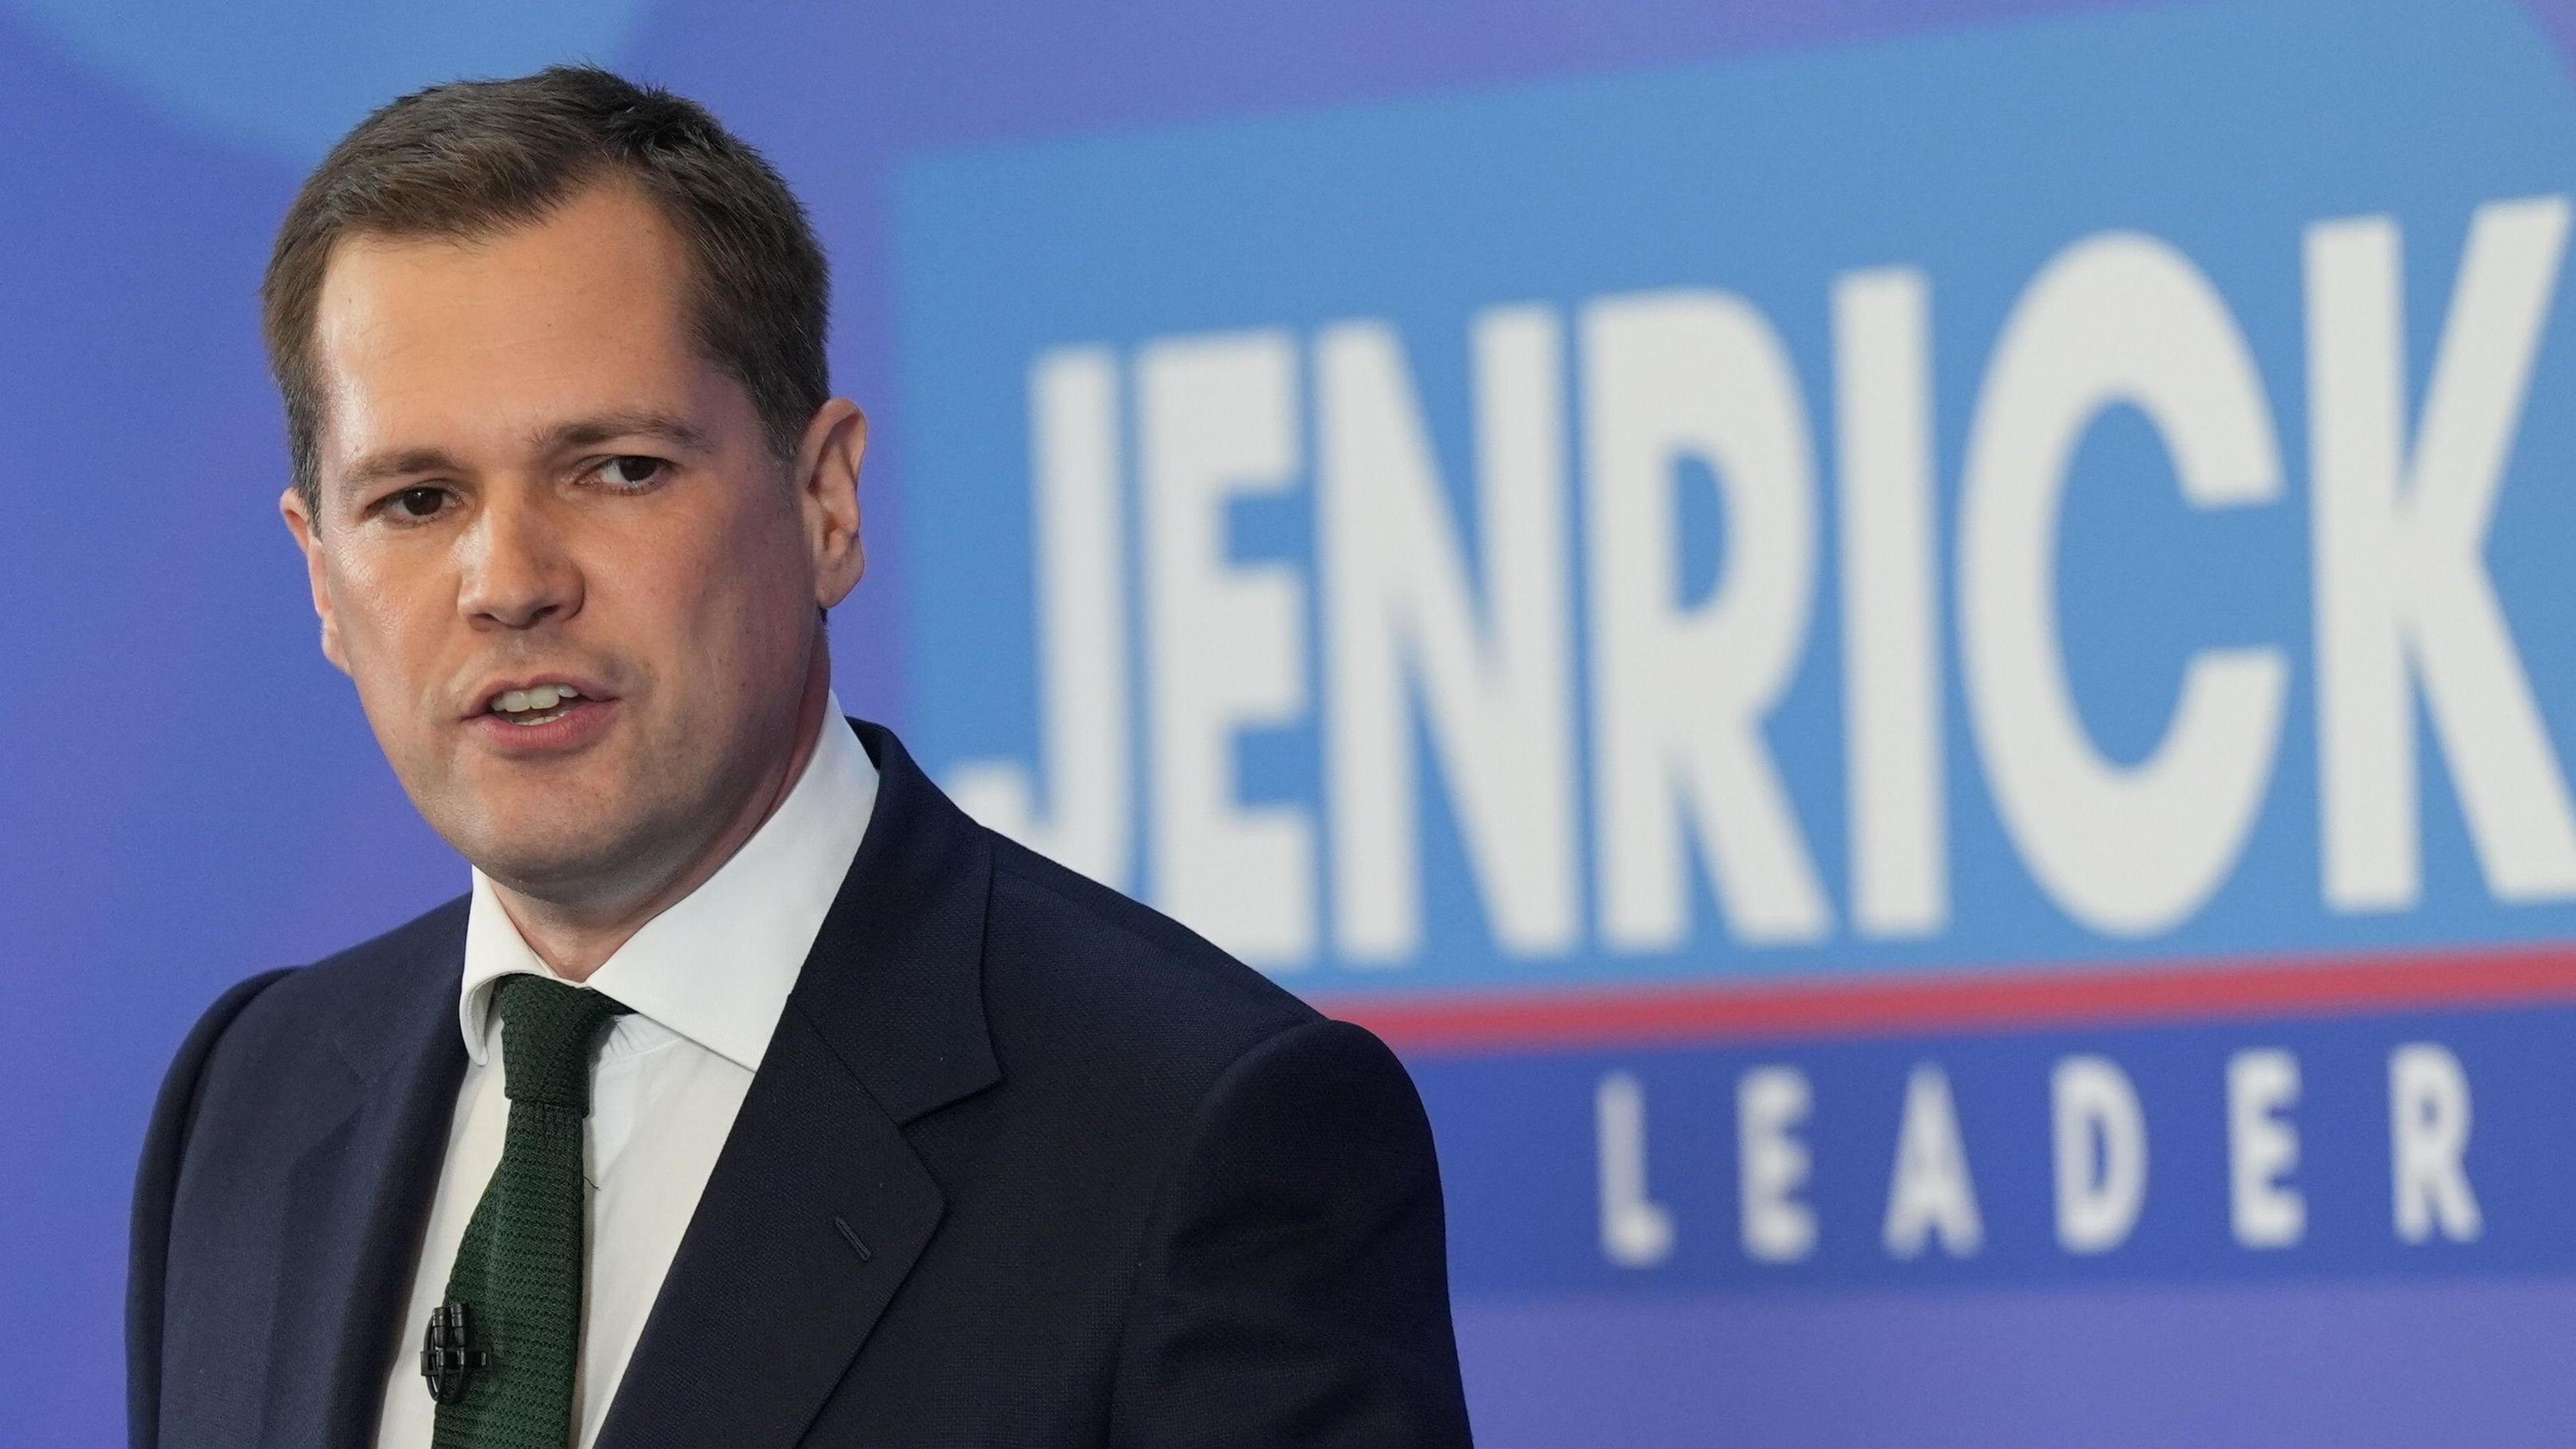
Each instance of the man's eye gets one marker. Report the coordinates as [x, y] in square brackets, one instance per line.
[418, 502]
[632, 471]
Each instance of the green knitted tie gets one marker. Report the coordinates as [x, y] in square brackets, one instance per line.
[518, 1269]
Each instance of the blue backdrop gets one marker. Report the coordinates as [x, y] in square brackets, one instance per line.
[1917, 653]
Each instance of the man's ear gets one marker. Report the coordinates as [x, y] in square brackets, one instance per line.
[827, 479]
[301, 523]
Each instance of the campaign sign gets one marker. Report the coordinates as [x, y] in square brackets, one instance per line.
[1936, 662]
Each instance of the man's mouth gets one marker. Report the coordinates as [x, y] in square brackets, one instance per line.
[535, 706]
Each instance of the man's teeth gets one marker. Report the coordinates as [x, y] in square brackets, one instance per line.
[534, 702]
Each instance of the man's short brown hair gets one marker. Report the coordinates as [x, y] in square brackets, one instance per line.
[471, 158]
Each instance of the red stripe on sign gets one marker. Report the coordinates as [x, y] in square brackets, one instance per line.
[2070, 996]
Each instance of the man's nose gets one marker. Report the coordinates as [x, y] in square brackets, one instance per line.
[517, 572]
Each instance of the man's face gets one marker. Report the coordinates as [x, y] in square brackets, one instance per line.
[531, 479]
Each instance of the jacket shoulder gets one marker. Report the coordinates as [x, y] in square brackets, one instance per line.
[359, 979]
[1077, 973]
[343, 1000]
[256, 1059]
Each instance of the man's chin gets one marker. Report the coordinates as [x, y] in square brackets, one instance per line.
[561, 867]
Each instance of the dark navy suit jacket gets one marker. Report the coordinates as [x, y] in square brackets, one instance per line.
[1103, 1185]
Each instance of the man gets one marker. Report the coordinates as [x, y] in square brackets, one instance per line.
[753, 1096]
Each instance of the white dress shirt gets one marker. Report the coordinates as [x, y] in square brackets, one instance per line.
[707, 979]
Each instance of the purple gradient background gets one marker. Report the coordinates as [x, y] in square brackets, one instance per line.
[2462, 1363]
[188, 794]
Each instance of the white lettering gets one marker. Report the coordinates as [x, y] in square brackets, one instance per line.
[2126, 850]
[2428, 1141]
[1217, 418]
[1636, 1231]
[1930, 1194]
[1497, 703]
[1891, 622]
[2101, 1140]
[2263, 1149]
[2402, 593]
[1081, 628]
[1772, 1164]
[1679, 693]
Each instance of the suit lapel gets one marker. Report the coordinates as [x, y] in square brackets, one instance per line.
[767, 1300]
[357, 1200]
[818, 1208]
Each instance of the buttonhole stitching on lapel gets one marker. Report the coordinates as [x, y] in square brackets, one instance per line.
[853, 1236]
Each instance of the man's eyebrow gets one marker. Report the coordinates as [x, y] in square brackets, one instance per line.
[397, 463]
[670, 428]
[563, 437]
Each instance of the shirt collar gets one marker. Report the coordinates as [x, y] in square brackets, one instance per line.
[717, 965]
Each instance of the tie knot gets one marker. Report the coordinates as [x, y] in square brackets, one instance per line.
[548, 1031]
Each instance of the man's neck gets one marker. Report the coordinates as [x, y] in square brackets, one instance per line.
[575, 939]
